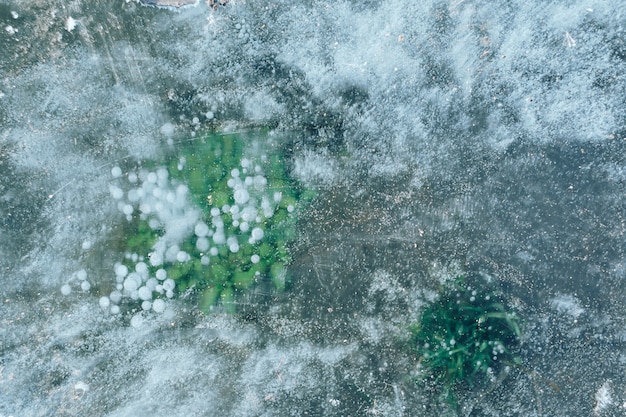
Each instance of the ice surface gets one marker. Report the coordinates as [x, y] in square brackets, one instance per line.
[436, 133]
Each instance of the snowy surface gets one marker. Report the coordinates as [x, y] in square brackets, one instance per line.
[438, 133]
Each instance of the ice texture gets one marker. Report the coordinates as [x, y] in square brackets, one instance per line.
[485, 133]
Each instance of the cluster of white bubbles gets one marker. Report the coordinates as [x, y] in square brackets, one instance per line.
[79, 278]
[165, 204]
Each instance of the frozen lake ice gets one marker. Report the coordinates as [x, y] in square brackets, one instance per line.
[438, 134]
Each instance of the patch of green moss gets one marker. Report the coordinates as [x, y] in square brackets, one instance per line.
[466, 335]
[209, 166]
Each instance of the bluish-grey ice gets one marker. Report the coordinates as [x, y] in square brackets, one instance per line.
[439, 135]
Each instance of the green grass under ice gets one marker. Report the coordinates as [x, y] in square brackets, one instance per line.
[206, 167]
[466, 335]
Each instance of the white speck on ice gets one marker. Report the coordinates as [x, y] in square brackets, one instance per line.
[66, 289]
[70, 24]
[81, 386]
[603, 398]
[567, 304]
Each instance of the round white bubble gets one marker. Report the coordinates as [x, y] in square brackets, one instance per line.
[116, 172]
[214, 251]
[130, 283]
[115, 309]
[248, 214]
[255, 259]
[104, 302]
[141, 268]
[205, 260]
[259, 181]
[242, 196]
[66, 289]
[152, 283]
[158, 305]
[182, 256]
[161, 274]
[257, 233]
[202, 244]
[234, 247]
[169, 284]
[146, 305]
[201, 229]
[85, 285]
[116, 192]
[121, 270]
[115, 296]
[81, 275]
[144, 293]
[156, 259]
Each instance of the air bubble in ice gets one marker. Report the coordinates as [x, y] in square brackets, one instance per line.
[257, 233]
[158, 305]
[144, 293]
[161, 274]
[169, 284]
[115, 296]
[201, 229]
[104, 302]
[81, 275]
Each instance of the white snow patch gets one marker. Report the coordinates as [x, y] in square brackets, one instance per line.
[568, 304]
[70, 24]
[603, 398]
[315, 169]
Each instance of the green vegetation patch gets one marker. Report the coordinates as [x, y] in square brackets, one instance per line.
[466, 334]
[215, 221]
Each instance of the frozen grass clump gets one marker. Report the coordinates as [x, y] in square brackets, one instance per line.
[465, 335]
[217, 220]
